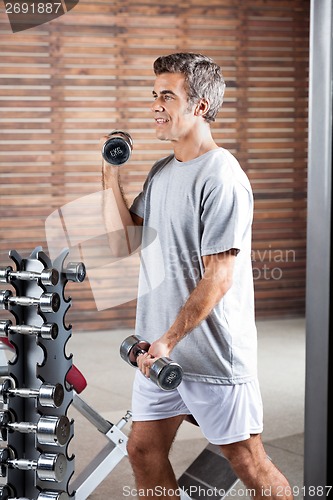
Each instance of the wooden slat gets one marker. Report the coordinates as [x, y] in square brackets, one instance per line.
[65, 84]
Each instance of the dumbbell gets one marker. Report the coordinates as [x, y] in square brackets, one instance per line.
[46, 277]
[7, 493]
[48, 302]
[51, 396]
[49, 430]
[48, 466]
[165, 373]
[45, 331]
[75, 271]
[117, 148]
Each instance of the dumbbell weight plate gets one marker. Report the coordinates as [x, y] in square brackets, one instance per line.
[52, 495]
[51, 395]
[166, 374]
[129, 348]
[52, 467]
[118, 148]
[53, 430]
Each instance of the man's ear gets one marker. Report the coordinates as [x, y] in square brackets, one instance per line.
[202, 107]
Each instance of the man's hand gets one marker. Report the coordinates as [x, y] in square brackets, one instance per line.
[158, 349]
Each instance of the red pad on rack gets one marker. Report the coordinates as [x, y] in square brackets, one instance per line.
[74, 376]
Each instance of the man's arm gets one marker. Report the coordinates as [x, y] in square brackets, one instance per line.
[117, 216]
[215, 283]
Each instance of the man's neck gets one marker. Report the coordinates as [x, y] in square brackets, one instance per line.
[194, 146]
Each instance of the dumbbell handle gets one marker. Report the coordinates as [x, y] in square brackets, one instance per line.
[6, 493]
[45, 331]
[50, 430]
[49, 466]
[48, 302]
[48, 395]
[47, 276]
[45, 495]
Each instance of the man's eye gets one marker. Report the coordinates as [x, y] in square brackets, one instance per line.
[167, 97]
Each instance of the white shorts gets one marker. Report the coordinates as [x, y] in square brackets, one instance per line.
[225, 413]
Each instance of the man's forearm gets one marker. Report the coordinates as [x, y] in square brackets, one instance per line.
[117, 216]
[215, 283]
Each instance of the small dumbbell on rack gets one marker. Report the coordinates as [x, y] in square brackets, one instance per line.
[6, 493]
[45, 277]
[48, 466]
[46, 331]
[75, 271]
[49, 430]
[48, 395]
[47, 302]
[165, 373]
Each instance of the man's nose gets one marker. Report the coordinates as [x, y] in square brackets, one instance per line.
[157, 106]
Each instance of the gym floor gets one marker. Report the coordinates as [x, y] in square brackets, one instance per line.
[281, 350]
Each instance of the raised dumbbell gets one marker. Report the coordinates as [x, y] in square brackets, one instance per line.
[48, 466]
[51, 396]
[45, 277]
[75, 271]
[6, 493]
[49, 430]
[164, 372]
[48, 302]
[45, 331]
[117, 148]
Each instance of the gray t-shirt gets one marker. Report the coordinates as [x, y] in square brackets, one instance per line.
[200, 207]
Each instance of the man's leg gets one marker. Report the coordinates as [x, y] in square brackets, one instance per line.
[148, 449]
[249, 461]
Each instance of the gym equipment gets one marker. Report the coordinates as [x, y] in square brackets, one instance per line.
[47, 302]
[210, 472]
[117, 149]
[75, 271]
[165, 373]
[48, 466]
[37, 388]
[45, 331]
[47, 395]
[7, 493]
[46, 277]
[49, 430]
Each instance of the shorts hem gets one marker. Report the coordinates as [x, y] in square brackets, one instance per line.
[157, 416]
[235, 439]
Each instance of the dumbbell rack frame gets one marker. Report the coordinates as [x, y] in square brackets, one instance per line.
[37, 361]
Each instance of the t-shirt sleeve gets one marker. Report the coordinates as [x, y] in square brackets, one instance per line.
[138, 205]
[226, 216]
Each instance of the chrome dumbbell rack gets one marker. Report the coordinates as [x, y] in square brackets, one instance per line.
[34, 390]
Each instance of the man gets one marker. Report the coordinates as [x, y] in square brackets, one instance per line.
[200, 202]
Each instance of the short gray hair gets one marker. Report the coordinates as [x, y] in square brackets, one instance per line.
[203, 78]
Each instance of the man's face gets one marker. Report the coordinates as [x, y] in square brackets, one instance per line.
[174, 117]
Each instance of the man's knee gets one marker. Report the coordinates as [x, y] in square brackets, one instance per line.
[245, 456]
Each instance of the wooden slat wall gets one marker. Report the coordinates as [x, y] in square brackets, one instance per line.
[66, 83]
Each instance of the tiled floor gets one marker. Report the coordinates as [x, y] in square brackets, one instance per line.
[281, 374]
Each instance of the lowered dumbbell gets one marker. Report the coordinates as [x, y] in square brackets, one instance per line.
[49, 430]
[165, 373]
[45, 277]
[48, 466]
[6, 493]
[48, 302]
[51, 396]
[117, 149]
[45, 331]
